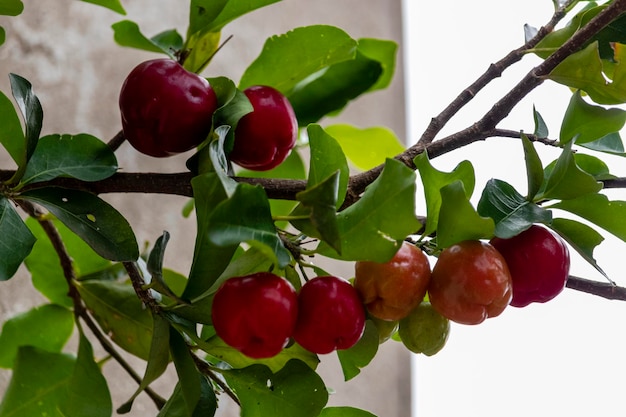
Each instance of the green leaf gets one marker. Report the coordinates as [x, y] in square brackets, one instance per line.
[331, 90]
[383, 217]
[309, 49]
[46, 327]
[345, 412]
[246, 217]
[534, 168]
[326, 159]
[120, 314]
[361, 354]
[155, 268]
[383, 51]
[366, 148]
[511, 212]
[566, 180]
[158, 358]
[458, 221]
[94, 220]
[45, 268]
[3, 35]
[175, 406]
[32, 112]
[17, 241]
[88, 393]
[114, 5]
[588, 123]
[82, 156]
[593, 166]
[11, 7]
[599, 210]
[11, 135]
[541, 129]
[127, 33]
[209, 259]
[39, 383]
[611, 144]
[434, 180]
[584, 70]
[295, 390]
[186, 370]
[582, 238]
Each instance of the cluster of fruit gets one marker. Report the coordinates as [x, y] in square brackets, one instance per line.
[167, 110]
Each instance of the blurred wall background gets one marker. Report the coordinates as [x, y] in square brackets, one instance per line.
[65, 48]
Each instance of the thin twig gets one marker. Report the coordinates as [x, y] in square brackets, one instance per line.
[601, 289]
[117, 141]
[205, 369]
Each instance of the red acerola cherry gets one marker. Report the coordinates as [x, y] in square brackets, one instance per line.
[539, 263]
[255, 314]
[265, 137]
[331, 315]
[165, 108]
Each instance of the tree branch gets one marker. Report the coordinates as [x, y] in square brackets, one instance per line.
[602, 289]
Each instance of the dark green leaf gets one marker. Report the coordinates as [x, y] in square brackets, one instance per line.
[127, 33]
[366, 148]
[155, 268]
[599, 210]
[383, 217]
[94, 220]
[120, 313]
[345, 412]
[11, 135]
[434, 180]
[582, 238]
[567, 180]
[209, 259]
[295, 390]
[3, 35]
[169, 41]
[588, 123]
[39, 383]
[246, 217]
[47, 327]
[332, 89]
[511, 212]
[88, 393]
[611, 144]
[186, 370]
[458, 221]
[114, 5]
[541, 129]
[82, 156]
[17, 241]
[534, 168]
[361, 354]
[206, 407]
[158, 358]
[326, 159]
[11, 7]
[383, 51]
[309, 50]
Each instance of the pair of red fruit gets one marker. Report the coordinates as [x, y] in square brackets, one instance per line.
[167, 110]
[259, 314]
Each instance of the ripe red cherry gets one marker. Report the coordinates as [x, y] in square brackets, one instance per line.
[165, 108]
[265, 137]
[539, 263]
[256, 314]
[331, 315]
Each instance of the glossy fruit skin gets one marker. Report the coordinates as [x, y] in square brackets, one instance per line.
[265, 137]
[424, 330]
[256, 314]
[165, 109]
[331, 315]
[392, 289]
[386, 328]
[470, 282]
[539, 263]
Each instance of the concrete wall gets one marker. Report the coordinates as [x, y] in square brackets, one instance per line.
[66, 49]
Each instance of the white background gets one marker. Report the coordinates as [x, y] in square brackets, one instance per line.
[563, 358]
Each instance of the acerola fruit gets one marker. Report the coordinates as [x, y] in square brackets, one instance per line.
[331, 315]
[255, 314]
[392, 289]
[265, 137]
[424, 330]
[470, 282]
[165, 108]
[539, 263]
[386, 328]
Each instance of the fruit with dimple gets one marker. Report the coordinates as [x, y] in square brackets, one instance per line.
[256, 314]
[165, 109]
[539, 263]
[424, 330]
[264, 137]
[390, 290]
[470, 282]
[330, 315]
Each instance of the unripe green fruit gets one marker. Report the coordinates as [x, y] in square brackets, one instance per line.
[424, 330]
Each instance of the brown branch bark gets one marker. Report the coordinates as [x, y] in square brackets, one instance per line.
[601, 289]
